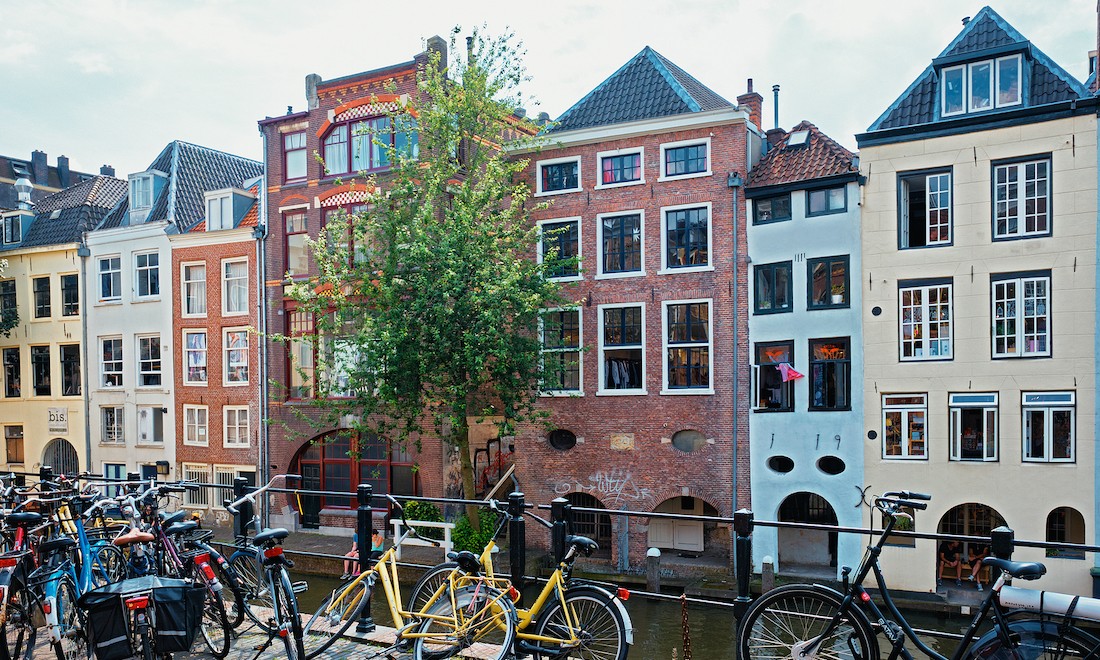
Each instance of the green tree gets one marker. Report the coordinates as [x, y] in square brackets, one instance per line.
[429, 316]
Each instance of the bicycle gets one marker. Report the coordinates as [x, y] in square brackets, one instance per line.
[569, 617]
[463, 611]
[812, 620]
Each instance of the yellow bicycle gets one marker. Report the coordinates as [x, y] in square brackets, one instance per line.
[462, 612]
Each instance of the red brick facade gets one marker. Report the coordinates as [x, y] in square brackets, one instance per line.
[624, 456]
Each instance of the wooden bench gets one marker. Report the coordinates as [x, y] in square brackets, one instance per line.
[948, 573]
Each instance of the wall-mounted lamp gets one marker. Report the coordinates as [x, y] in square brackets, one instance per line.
[734, 180]
[162, 468]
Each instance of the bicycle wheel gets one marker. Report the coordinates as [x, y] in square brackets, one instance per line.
[1033, 640]
[253, 585]
[337, 613]
[287, 617]
[234, 599]
[473, 616]
[599, 626]
[108, 565]
[70, 618]
[215, 624]
[428, 584]
[785, 621]
[146, 643]
[18, 630]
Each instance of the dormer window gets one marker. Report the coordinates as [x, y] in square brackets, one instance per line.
[219, 212]
[13, 229]
[980, 86]
[141, 192]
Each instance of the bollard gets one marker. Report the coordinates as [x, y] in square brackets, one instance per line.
[653, 570]
[364, 528]
[767, 575]
[559, 528]
[517, 540]
[45, 473]
[742, 559]
[244, 518]
[1001, 542]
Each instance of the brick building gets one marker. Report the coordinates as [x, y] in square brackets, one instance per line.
[301, 195]
[644, 177]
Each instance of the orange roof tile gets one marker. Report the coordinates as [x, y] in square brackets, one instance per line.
[818, 158]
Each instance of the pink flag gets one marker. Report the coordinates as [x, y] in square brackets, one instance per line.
[788, 372]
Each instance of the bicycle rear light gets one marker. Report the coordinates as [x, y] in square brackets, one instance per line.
[276, 551]
[623, 593]
[137, 603]
[513, 593]
[203, 558]
[8, 562]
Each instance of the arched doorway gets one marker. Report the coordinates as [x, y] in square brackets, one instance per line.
[341, 460]
[596, 526]
[61, 456]
[1065, 525]
[970, 519]
[806, 548]
[691, 538]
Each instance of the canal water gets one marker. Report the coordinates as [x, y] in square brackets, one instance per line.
[658, 624]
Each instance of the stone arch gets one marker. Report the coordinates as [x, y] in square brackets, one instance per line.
[687, 537]
[806, 549]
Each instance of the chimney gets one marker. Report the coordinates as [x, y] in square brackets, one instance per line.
[39, 169]
[63, 171]
[520, 113]
[106, 170]
[775, 95]
[543, 119]
[966, 19]
[752, 102]
[312, 80]
[775, 136]
[438, 45]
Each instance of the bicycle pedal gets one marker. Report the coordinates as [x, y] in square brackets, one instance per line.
[299, 587]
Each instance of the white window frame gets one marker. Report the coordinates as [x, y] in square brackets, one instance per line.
[1049, 403]
[906, 410]
[709, 389]
[215, 203]
[141, 372]
[685, 143]
[139, 201]
[600, 185]
[1021, 199]
[196, 432]
[904, 220]
[665, 269]
[188, 284]
[580, 243]
[145, 272]
[118, 430]
[987, 402]
[579, 351]
[600, 275]
[600, 390]
[237, 410]
[226, 380]
[994, 85]
[926, 323]
[187, 351]
[970, 85]
[997, 81]
[557, 161]
[100, 272]
[225, 287]
[120, 372]
[154, 410]
[943, 91]
[1018, 317]
[198, 472]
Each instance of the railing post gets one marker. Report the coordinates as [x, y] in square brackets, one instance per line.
[517, 539]
[244, 518]
[742, 559]
[45, 473]
[1001, 542]
[364, 529]
[558, 528]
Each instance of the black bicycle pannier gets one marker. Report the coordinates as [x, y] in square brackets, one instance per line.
[175, 614]
[108, 625]
[178, 616]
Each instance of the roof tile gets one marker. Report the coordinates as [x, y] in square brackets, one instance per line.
[819, 158]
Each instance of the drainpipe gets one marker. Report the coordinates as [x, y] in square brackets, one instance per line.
[83, 252]
[734, 181]
[260, 234]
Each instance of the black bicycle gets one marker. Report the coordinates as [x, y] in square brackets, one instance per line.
[815, 621]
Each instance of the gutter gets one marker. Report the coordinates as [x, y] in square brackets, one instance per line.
[260, 234]
[735, 181]
[83, 252]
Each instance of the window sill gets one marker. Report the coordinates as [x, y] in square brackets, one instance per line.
[143, 445]
[108, 301]
[773, 410]
[905, 458]
[686, 269]
[773, 221]
[225, 446]
[115, 445]
[765, 312]
[228, 314]
[70, 316]
[145, 299]
[195, 444]
[192, 316]
[816, 410]
[244, 384]
[822, 308]
[567, 278]
[905, 248]
[1025, 356]
[937, 358]
[1043, 461]
[551, 193]
[820, 214]
[681, 177]
[42, 319]
[1023, 237]
[623, 184]
[562, 394]
[196, 383]
[621, 392]
[618, 276]
[687, 391]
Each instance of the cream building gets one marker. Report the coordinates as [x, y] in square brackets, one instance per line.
[979, 256]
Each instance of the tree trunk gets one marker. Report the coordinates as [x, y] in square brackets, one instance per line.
[469, 490]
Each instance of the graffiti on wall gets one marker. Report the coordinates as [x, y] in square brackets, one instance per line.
[609, 486]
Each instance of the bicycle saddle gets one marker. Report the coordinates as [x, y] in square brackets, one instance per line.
[167, 519]
[1025, 570]
[468, 562]
[269, 535]
[23, 518]
[582, 543]
[58, 544]
[133, 536]
[181, 527]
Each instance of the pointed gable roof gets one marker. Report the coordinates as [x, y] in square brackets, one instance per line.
[648, 86]
[63, 216]
[989, 33]
[820, 157]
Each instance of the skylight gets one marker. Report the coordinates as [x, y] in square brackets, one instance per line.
[798, 138]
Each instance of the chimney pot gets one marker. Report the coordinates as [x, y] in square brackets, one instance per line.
[63, 171]
[312, 101]
[775, 136]
[106, 170]
[966, 19]
[750, 85]
[753, 103]
[39, 169]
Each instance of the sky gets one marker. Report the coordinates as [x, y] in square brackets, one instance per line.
[114, 81]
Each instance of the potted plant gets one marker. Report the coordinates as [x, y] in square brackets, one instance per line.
[838, 294]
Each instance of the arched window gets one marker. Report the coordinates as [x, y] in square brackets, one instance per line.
[61, 456]
[340, 461]
[1065, 525]
[362, 145]
[596, 526]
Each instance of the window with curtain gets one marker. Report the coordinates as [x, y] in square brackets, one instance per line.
[194, 289]
[235, 287]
